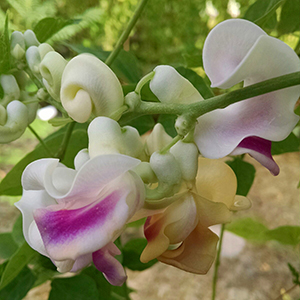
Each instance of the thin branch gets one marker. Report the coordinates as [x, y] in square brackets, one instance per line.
[217, 264]
[126, 33]
[62, 150]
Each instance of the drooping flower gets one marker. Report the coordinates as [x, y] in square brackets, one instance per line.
[179, 235]
[89, 86]
[247, 54]
[74, 216]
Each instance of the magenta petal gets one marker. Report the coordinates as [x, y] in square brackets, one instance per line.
[260, 149]
[106, 263]
[68, 234]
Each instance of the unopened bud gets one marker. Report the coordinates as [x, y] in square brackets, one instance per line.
[30, 38]
[33, 59]
[17, 45]
[132, 100]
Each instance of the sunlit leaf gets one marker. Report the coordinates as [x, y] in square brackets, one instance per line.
[263, 10]
[47, 27]
[16, 263]
[249, 229]
[289, 17]
[7, 245]
[245, 174]
[290, 144]
[80, 287]
[131, 255]
[286, 235]
[19, 287]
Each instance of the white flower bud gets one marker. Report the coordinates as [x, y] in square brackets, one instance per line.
[89, 86]
[51, 69]
[132, 100]
[16, 122]
[44, 48]
[17, 45]
[186, 155]
[170, 87]
[166, 168]
[33, 59]
[30, 38]
[157, 139]
[10, 88]
[107, 137]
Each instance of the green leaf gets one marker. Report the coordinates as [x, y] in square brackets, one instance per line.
[289, 17]
[17, 232]
[193, 60]
[295, 274]
[168, 121]
[16, 263]
[19, 287]
[131, 255]
[102, 284]
[197, 81]
[11, 184]
[47, 27]
[245, 174]
[286, 235]
[7, 245]
[143, 124]
[5, 57]
[81, 287]
[249, 229]
[125, 65]
[290, 144]
[263, 10]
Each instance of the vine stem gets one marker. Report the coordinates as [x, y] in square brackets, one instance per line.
[62, 150]
[126, 33]
[197, 109]
[217, 264]
[41, 141]
[287, 291]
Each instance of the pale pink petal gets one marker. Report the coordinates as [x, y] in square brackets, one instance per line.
[251, 56]
[196, 254]
[81, 262]
[71, 230]
[259, 149]
[170, 87]
[106, 263]
[30, 201]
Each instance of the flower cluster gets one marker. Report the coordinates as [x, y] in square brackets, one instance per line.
[74, 216]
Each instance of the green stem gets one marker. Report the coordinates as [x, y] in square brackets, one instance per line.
[172, 143]
[41, 141]
[217, 264]
[38, 84]
[287, 291]
[118, 113]
[126, 291]
[143, 81]
[197, 109]
[62, 150]
[126, 33]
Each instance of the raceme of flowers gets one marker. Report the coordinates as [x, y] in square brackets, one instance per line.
[74, 216]
[237, 50]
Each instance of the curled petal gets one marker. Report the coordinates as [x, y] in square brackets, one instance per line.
[30, 201]
[88, 85]
[81, 158]
[170, 87]
[251, 56]
[259, 149]
[196, 254]
[51, 69]
[44, 48]
[106, 263]
[169, 227]
[10, 88]
[106, 136]
[16, 121]
[86, 184]
[69, 231]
